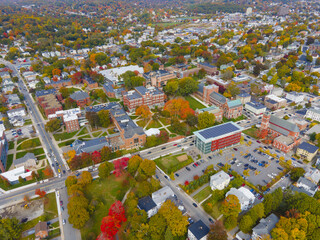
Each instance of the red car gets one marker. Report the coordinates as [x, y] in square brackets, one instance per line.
[196, 164]
[175, 144]
[243, 185]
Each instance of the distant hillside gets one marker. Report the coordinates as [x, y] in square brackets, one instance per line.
[210, 7]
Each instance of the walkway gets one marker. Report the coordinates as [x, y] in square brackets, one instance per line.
[199, 189]
[203, 103]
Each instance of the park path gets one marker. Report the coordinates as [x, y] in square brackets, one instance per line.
[199, 189]
[199, 100]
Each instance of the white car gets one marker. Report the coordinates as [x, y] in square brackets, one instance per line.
[63, 221]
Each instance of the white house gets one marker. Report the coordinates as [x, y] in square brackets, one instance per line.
[160, 196]
[295, 97]
[313, 175]
[17, 112]
[246, 198]
[13, 175]
[219, 180]
[198, 231]
[305, 185]
[313, 113]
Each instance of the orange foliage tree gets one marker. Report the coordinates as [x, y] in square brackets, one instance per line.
[39, 192]
[56, 71]
[48, 171]
[143, 111]
[179, 108]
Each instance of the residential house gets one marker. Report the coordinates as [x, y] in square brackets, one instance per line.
[264, 227]
[13, 101]
[150, 97]
[313, 175]
[306, 186]
[41, 230]
[82, 98]
[307, 151]
[198, 231]
[148, 205]
[219, 181]
[245, 197]
[59, 84]
[255, 107]
[28, 161]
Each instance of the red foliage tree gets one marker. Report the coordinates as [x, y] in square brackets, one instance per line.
[119, 165]
[76, 78]
[96, 157]
[186, 183]
[48, 171]
[117, 210]
[39, 192]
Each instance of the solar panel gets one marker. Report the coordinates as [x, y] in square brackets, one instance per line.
[218, 130]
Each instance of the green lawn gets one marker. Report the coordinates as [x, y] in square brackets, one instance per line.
[171, 164]
[9, 161]
[35, 142]
[133, 117]
[21, 140]
[203, 194]
[106, 192]
[36, 151]
[63, 136]
[165, 121]
[41, 157]
[66, 143]
[110, 131]
[154, 124]
[27, 122]
[85, 137]
[142, 123]
[252, 132]
[83, 131]
[194, 104]
[96, 134]
[11, 145]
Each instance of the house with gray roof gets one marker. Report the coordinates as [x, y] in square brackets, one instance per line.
[219, 181]
[307, 151]
[28, 160]
[148, 205]
[160, 196]
[306, 186]
[313, 113]
[264, 227]
[217, 99]
[198, 231]
[82, 98]
[113, 92]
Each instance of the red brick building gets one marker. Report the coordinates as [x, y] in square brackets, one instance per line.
[72, 123]
[204, 92]
[143, 96]
[49, 104]
[284, 133]
[60, 84]
[90, 83]
[218, 137]
[82, 98]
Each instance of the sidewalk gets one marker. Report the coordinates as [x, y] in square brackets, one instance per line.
[199, 189]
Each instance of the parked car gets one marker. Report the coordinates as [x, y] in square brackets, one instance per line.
[188, 168]
[63, 221]
[210, 220]
[195, 205]
[177, 175]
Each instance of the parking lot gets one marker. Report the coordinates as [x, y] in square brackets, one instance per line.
[26, 132]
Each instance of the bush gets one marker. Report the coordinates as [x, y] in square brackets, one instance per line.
[230, 222]
[192, 186]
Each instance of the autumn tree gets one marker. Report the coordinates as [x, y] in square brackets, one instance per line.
[133, 164]
[48, 172]
[93, 119]
[78, 209]
[105, 169]
[147, 167]
[187, 86]
[230, 206]
[206, 120]
[10, 228]
[86, 178]
[104, 118]
[144, 112]
[171, 87]
[40, 193]
[296, 173]
[96, 157]
[217, 231]
[105, 154]
[119, 165]
[71, 180]
[53, 125]
[56, 71]
[176, 222]
[178, 108]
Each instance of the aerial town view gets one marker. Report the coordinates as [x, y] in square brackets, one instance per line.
[160, 119]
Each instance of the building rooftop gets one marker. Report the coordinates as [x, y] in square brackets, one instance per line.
[234, 103]
[308, 147]
[211, 133]
[283, 126]
[90, 146]
[25, 158]
[218, 97]
[105, 106]
[146, 203]
[219, 177]
[162, 195]
[256, 105]
[79, 95]
[14, 174]
[151, 90]
[199, 229]
[266, 225]
[45, 92]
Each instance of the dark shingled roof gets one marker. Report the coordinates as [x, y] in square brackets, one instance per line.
[146, 203]
[199, 229]
[79, 95]
[308, 147]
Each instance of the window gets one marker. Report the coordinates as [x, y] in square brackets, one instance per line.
[136, 140]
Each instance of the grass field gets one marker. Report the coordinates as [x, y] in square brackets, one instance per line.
[142, 123]
[83, 131]
[252, 132]
[36, 151]
[194, 104]
[165, 121]
[203, 194]
[66, 143]
[96, 134]
[171, 164]
[35, 142]
[154, 124]
[106, 192]
[9, 161]
[63, 136]
[11, 145]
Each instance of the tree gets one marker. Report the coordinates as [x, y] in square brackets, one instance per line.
[93, 119]
[176, 222]
[96, 157]
[230, 206]
[230, 222]
[171, 87]
[86, 178]
[192, 120]
[10, 229]
[119, 165]
[157, 227]
[147, 167]
[53, 125]
[78, 216]
[144, 112]
[134, 164]
[233, 89]
[105, 169]
[205, 120]
[71, 180]
[105, 154]
[217, 231]
[187, 86]
[40, 193]
[246, 224]
[104, 118]
[178, 108]
[48, 172]
[296, 173]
